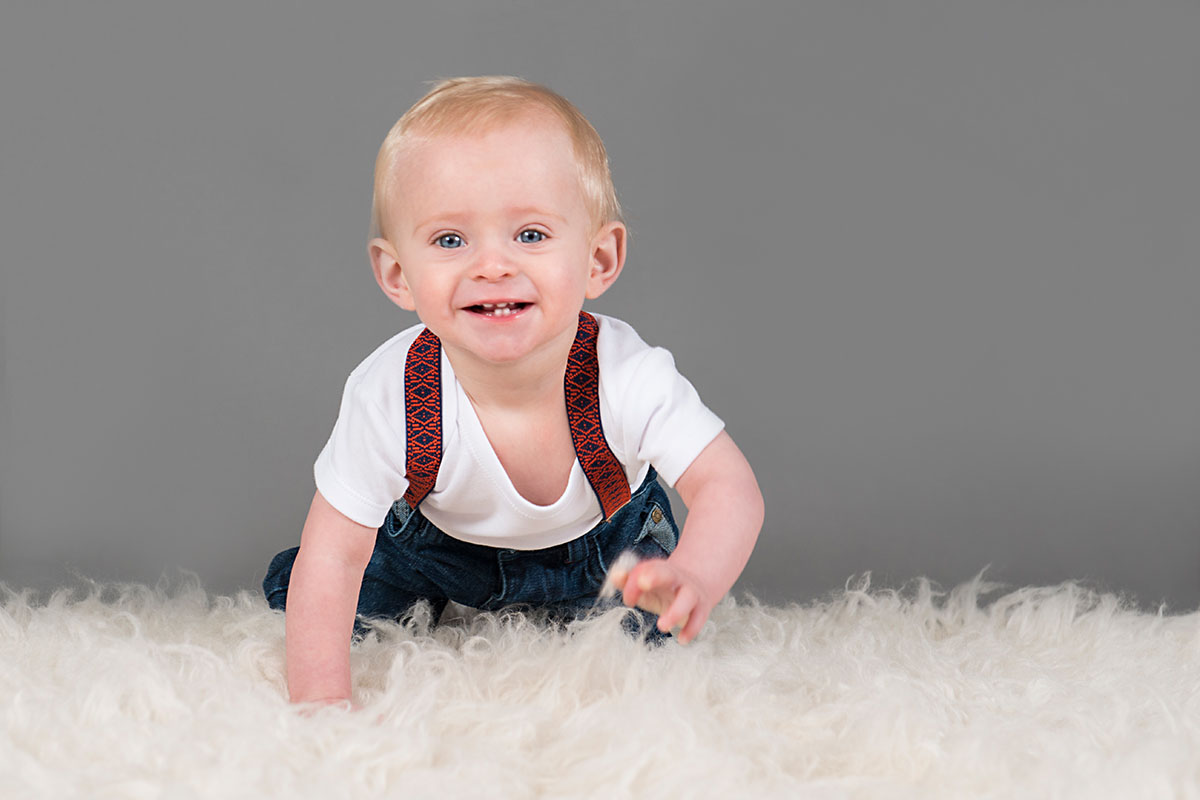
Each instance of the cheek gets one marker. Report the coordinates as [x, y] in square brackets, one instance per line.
[429, 280]
[423, 298]
[572, 283]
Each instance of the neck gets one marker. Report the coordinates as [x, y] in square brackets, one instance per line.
[537, 378]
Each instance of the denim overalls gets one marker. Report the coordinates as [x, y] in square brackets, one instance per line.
[413, 560]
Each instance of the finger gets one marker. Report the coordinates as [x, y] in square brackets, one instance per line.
[315, 707]
[632, 590]
[647, 576]
[618, 575]
[655, 602]
[692, 626]
[679, 610]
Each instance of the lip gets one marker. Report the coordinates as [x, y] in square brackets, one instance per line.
[476, 310]
[496, 301]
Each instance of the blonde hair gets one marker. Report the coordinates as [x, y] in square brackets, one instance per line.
[485, 103]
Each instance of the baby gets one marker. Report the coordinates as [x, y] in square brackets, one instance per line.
[508, 449]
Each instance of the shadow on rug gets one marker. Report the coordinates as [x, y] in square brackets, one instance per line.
[119, 691]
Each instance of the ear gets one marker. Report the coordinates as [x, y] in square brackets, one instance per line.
[388, 274]
[608, 257]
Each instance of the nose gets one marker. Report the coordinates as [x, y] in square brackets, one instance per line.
[492, 264]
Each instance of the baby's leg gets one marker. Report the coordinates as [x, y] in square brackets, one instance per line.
[385, 592]
[390, 593]
[279, 575]
[638, 622]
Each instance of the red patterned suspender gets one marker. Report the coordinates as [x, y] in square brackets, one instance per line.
[582, 385]
[423, 416]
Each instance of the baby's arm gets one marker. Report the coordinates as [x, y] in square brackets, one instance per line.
[322, 598]
[725, 514]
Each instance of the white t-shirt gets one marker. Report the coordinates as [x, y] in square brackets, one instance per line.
[651, 415]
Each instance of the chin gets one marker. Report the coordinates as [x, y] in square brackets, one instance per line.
[502, 355]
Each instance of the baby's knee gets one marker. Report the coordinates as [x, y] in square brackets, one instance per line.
[279, 575]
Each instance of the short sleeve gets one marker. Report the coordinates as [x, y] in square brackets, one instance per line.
[651, 413]
[674, 424]
[360, 471]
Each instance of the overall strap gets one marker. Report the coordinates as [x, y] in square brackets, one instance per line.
[604, 472]
[423, 418]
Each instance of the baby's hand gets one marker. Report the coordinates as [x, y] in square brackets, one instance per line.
[313, 707]
[658, 586]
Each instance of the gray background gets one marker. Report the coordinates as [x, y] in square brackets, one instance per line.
[936, 263]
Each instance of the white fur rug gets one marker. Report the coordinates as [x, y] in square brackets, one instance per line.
[132, 692]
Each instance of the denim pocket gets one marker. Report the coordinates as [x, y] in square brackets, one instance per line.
[659, 528]
[400, 520]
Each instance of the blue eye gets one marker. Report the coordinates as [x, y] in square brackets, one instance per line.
[524, 236]
[449, 241]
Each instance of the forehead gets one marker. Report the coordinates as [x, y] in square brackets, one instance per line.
[529, 161]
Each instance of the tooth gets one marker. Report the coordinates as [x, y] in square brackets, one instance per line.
[486, 305]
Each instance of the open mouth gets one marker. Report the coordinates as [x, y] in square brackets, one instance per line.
[498, 309]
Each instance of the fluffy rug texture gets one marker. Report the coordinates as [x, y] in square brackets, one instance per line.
[128, 691]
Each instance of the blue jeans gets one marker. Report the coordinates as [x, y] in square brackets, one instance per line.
[414, 560]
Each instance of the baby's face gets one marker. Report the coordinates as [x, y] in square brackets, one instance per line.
[493, 240]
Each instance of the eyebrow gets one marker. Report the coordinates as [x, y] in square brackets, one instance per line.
[513, 211]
